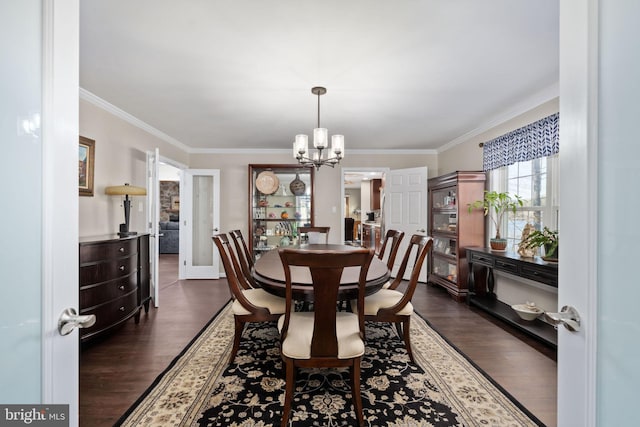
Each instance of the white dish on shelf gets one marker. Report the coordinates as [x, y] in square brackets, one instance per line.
[528, 311]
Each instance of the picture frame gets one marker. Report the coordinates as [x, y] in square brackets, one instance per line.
[86, 158]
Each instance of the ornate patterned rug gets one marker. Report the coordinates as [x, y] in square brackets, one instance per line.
[442, 389]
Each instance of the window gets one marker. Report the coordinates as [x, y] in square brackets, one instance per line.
[536, 182]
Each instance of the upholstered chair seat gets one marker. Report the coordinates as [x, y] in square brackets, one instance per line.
[259, 298]
[384, 298]
[297, 344]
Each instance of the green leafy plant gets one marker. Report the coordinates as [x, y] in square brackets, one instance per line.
[545, 238]
[497, 204]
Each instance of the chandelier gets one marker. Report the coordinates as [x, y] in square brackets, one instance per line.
[322, 156]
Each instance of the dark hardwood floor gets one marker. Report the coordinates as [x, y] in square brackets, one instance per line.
[116, 370]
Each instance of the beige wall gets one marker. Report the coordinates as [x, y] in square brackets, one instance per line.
[120, 157]
[234, 183]
[467, 156]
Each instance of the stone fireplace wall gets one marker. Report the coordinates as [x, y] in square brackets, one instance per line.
[169, 200]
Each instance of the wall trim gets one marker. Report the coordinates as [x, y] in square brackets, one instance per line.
[528, 104]
[107, 106]
[288, 151]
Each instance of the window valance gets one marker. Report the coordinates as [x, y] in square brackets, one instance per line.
[535, 140]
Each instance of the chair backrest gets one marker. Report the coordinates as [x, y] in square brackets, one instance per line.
[244, 256]
[395, 237]
[314, 234]
[326, 271]
[234, 274]
[422, 245]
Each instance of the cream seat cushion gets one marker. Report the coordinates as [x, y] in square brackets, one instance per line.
[384, 298]
[297, 344]
[260, 298]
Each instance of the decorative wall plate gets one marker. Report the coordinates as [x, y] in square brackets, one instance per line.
[267, 182]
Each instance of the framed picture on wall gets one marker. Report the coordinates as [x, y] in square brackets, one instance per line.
[86, 155]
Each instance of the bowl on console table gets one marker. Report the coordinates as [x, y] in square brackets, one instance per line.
[528, 311]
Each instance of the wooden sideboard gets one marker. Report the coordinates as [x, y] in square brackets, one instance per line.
[481, 282]
[113, 280]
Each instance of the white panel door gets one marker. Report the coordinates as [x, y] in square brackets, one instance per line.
[199, 221]
[153, 218]
[405, 207]
[60, 354]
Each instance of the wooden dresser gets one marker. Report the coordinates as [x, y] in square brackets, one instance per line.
[114, 280]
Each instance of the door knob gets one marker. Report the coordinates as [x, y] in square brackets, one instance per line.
[69, 320]
[421, 230]
[568, 316]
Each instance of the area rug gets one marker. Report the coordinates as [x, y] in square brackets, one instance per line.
[443, 388]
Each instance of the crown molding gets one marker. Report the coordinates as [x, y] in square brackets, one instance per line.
[535, 100]
[110, 108]
[288, 151]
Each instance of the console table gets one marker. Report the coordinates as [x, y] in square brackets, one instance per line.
[481, 287]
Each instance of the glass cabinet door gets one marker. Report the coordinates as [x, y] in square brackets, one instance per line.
[280, 201]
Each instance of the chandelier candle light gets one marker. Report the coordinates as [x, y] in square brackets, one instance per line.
[320, 143]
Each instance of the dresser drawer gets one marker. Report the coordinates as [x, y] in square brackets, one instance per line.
[109, 250]
[506, 265]
[478, 258]
[96, 294]
[110, 313]
[540, 275]
[108, 270]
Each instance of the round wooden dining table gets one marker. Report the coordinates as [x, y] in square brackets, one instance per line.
[269, 274]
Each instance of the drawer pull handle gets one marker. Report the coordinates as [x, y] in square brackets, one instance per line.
[121, 249]
[121, 308]
[121, 268]
[121, 287]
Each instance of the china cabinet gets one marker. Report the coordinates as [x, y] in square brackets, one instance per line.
[453, 228]
[280, 201]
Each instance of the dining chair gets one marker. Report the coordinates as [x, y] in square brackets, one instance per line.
[315, 234]
[244, 257]
[324, 337]
[393, 306]
[249, 305]
[395, 237]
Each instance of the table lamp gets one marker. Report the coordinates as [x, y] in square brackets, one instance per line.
[126, 190]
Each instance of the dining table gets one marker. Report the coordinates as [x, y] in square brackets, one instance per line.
[268, 272]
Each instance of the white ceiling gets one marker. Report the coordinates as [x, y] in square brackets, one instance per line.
[399, 74]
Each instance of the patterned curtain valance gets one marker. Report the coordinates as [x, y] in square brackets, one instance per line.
[538, 139]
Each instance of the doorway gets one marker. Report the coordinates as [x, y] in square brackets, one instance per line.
[356, 197]
[169, 176]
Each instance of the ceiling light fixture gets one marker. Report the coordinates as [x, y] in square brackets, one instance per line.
[320, 143]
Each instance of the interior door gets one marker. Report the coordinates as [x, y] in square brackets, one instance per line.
[56, 287]
[405, 208]
[153, 218]
[200, 220]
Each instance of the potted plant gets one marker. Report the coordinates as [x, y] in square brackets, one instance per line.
[496, 204]
[545, 238]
